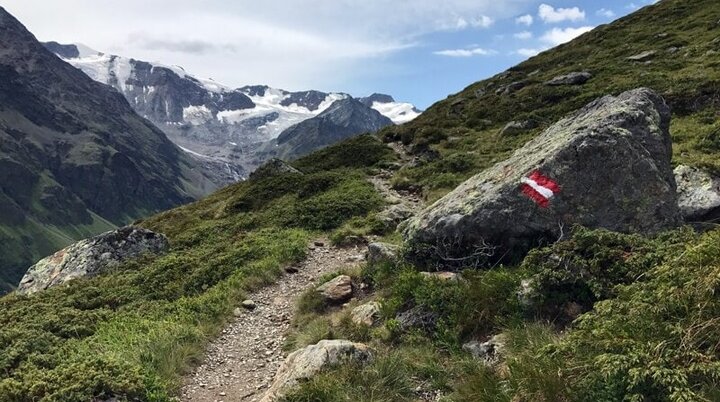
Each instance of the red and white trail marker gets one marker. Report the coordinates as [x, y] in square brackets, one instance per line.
[539, 188]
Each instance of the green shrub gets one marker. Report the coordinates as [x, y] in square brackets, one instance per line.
[658, 339]
[591, 263]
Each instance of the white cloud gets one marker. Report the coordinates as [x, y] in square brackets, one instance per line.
[526, 19]
[465, 52]
[482, 22]
[604, 12]
[294, 44]
[557, 36]
[527, 52]
[552, 15]
[463, 23]
[524, 35]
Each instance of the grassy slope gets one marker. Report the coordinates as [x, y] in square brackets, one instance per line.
[465, 127]
[132, 332]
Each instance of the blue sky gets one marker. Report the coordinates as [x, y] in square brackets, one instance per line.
[417, 50]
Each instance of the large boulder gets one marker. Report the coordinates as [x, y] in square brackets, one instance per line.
[698, 194]
[91, 257]
[605, 166]
[303, 364]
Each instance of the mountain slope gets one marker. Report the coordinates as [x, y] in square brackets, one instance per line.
[217, 124]
[654, 337]
[75, 157]
[467, 128]
[344, 119]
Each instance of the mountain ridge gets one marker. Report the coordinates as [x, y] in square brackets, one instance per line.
[76, 158]
[223, 124]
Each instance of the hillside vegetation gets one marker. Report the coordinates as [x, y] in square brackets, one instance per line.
[614, 317]
[132, 332]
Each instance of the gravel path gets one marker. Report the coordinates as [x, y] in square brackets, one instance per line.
[242, 362]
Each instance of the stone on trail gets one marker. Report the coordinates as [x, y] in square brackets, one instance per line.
[305, 363]
[249, 304]
[605, 166]
[92, 257]
[337, 290]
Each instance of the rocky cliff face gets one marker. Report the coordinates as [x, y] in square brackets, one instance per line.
[219, 126]
[75, 159]
[605, 166]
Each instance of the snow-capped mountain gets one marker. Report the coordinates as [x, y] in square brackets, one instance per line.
[216, 124]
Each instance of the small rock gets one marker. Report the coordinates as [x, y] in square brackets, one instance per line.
[337, 290]
[417, 318]
[644, 56]
[442, 276]
[574, 78]
[292, 270]
[249, 304]
[381, 253]
[394, 215]
[237, 312]
[517, 127]
[490, 352]
[366, 314]
[356, 258]
[698, 194]
[319, 243]
[510, 88]
[526, 293]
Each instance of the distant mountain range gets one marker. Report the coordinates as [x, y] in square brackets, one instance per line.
[234, 130]
[75, 158]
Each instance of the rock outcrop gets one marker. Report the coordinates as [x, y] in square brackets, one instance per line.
[574, 78]
[305, 363]
[91, 257]
[605, 166]
[698, 194]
